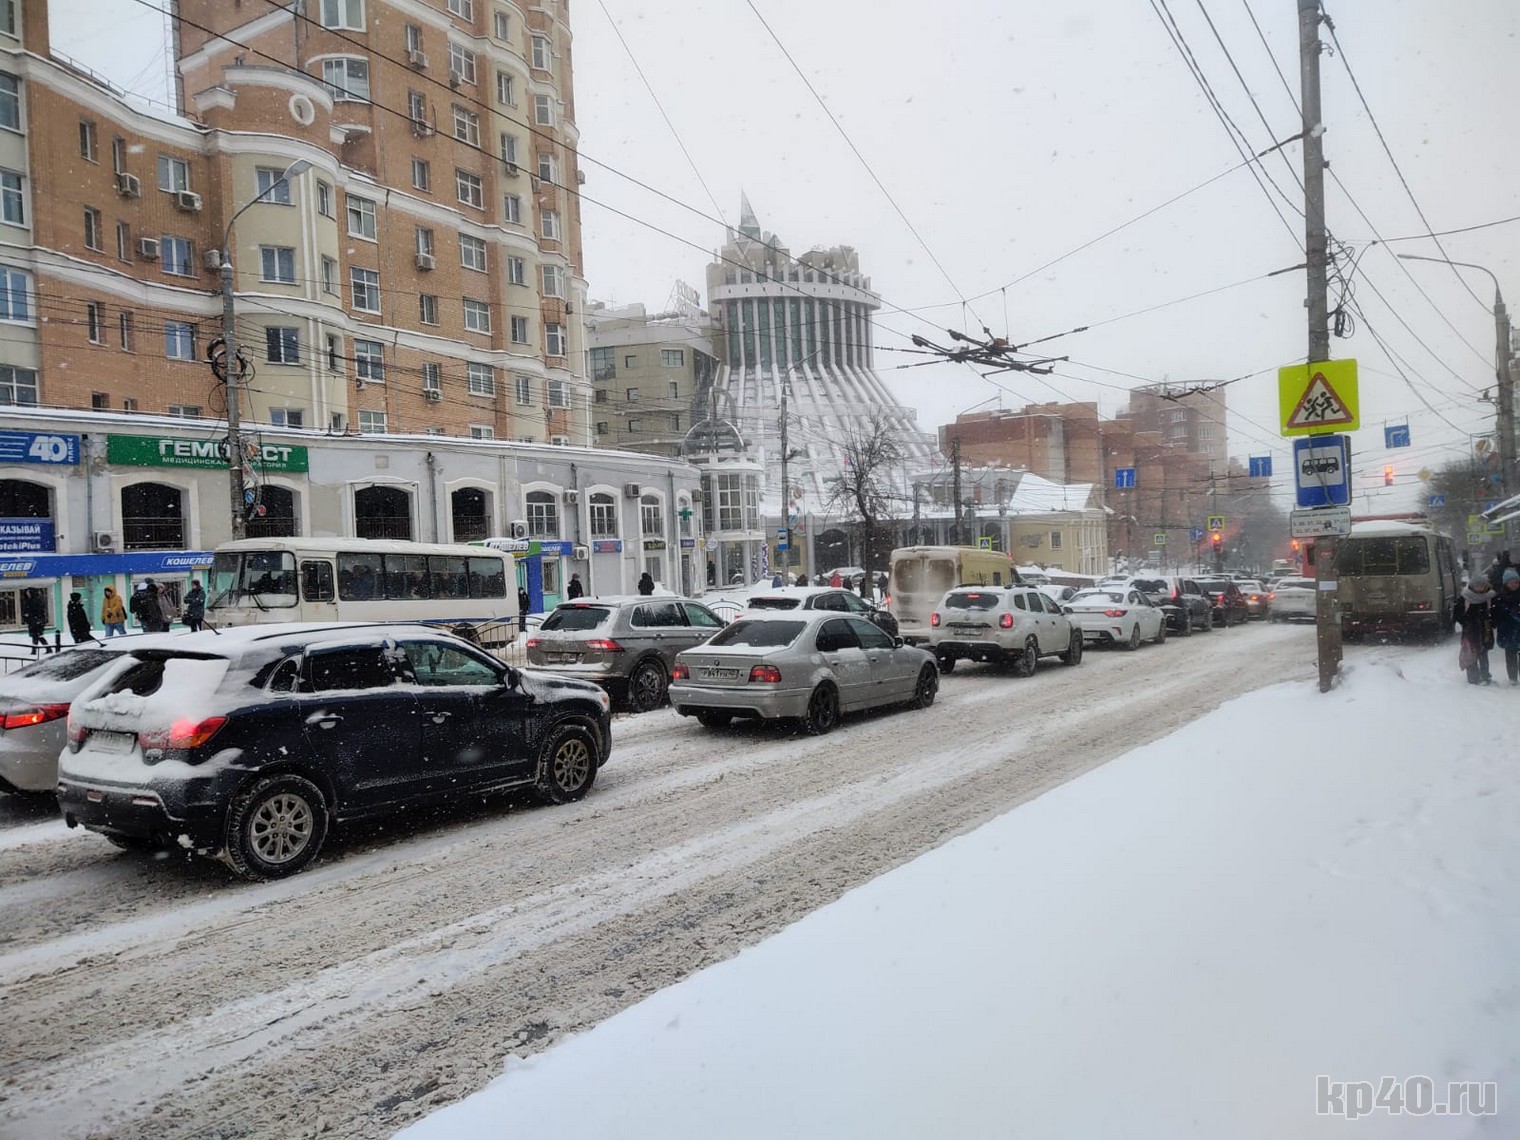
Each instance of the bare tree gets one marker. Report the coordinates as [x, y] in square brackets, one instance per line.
[870, 488]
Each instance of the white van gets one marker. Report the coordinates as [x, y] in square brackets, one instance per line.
[921, 576]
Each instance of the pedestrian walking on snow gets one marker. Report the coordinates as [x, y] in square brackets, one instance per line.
[575, 590]
[195, 607]
[646, 584]
[1474, 613]
[1506, 610]
[79, 620]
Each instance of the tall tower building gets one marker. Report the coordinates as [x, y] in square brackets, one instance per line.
[421, 272]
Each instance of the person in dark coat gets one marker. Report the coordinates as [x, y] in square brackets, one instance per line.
[1506, 607]
[1495, 571]
[575, 589]
[34, 615]
[524, 603]
[646, 584]
[79, 620]
[146, 608]
[1474, 613]
[195, 607]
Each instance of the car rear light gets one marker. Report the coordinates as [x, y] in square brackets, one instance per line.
[534, 642]
[605, 644]
[37, 714]
[765, 675]
[934, 620]
[183, 734]
[1006, 621]
[680, 672]
[77, 733]
[886, 599]
[1114, 613]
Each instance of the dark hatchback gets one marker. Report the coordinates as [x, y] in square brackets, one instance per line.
[1230, 607]
[247, 745]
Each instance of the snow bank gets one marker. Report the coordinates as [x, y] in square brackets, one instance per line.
[1176, 944]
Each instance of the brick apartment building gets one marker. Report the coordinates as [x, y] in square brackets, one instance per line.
[422, 274]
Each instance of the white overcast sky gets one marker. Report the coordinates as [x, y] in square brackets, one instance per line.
[1010, 133]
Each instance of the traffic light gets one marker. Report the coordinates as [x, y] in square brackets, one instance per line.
[1217, 539]
[1388, 475]
[1295, 546]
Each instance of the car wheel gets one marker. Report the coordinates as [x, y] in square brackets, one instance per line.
[1187, 624]
[927, 688]
[946, 663]
[567, 766]
[646, 686]
[1073, 654]
[822, 710]
[1161, 634]
[1029, 660]
[1134, 638]
[714, 719]
[276, 827]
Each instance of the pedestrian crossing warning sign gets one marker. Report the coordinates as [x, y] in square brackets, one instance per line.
[1318, 397]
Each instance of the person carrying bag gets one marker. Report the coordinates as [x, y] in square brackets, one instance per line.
[1473, 611]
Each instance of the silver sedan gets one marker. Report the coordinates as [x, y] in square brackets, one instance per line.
[811, 665]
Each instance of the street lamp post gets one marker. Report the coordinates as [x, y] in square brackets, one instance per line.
[1505, 401]
[232, 368]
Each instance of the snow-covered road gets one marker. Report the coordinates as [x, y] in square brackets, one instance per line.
[145, 999]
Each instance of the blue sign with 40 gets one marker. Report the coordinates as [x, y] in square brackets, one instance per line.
[38, 447]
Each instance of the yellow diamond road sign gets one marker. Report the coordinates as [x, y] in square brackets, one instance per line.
[1320, 397]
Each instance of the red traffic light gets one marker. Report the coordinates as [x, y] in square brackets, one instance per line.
[1295, 546]
[1216, 538]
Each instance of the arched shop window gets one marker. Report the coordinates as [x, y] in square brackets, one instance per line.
[470, 508]
[152, 517]
[278, 519]
[382, 512]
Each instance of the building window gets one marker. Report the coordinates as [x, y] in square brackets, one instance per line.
[1055, 540]
[125, 330]
[123, 241]
[100, 401]
[173, 174]
[603, 366]
[422, 178]
[630, 362]
[524, 386]
[361, 218]
[548, 169]
[369, 360]
[482, 379]
[366, 289]
[631, 395]
[427, 308]
[672, 357]
[549, 225]
[509, 151]
[466, 126]
[501, 25]
[94, 316]
[334, 352]
[543, 514]
[477, 316]
[343, 14]
[277, 263]
[504, 92]
[272, 186]
[462, 63]
[469, 189]
[554, 339]
[554, 281]
[603, 516]
[87, 139]
[329, 274]
[416, 110]
[472, 252]
[185, 411]
[603, 427]
[371, 422]
[543, 110]
[464, 9]
[675, 390]
[413, 37]
[511, 209]
[17, 385]
[15, 295]
[519, 330]
[177, 256]
[559, 394]
[10, 102]
[179, 341]
[482, 431]
[424, 241]
[633, 425]
[432, 376]
[517, 271]
[287, 417]
[282, 345]
[347, 79]
[324, 199]
[541, 53]
[93, 238]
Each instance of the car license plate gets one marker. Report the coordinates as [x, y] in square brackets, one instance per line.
[121, 742]
[559, 658]
[707, 673]
[969, 631]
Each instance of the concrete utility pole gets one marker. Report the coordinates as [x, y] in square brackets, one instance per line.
[232, 369]
[786, 498]
[955, 486]
[1316, 257]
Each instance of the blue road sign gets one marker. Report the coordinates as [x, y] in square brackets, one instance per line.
[1438, 500]
[1197, 533]
[1261, 466]
[1396, 436]
[1321, 464]
[1124, 477]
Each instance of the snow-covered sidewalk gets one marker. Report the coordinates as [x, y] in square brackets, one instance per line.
[1179, 943]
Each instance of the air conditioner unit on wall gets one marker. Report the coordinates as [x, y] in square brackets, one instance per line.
[104, 541]
[188, 201]
[580, 553]
[417, 59]
[147, 249]
[517, 528]
[425, 261]
[432, 395]
[128, 185]
[572, 497]
[632, 490]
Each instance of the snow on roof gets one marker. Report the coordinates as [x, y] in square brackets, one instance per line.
[1037, 494]
[1386, 526]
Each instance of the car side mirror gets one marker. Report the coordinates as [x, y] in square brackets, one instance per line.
[898, 643]
[1066, 609]
[512, 678]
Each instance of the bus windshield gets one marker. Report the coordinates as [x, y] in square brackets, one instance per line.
[265, 578]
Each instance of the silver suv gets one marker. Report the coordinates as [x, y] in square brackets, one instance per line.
[1018, 625]
[626, 645]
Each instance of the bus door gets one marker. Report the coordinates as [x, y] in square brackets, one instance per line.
[319, 601]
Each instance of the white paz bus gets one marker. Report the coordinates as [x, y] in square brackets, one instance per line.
[355, 579]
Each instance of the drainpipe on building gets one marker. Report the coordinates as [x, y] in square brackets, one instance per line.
[89, 496]
[575, 485]
[672, 533]
[432, 463]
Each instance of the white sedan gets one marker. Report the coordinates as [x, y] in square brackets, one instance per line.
[1294, 600]
[1117, 617]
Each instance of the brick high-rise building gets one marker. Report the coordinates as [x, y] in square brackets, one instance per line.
[423, 274]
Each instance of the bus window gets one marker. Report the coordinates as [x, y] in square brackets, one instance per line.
[448, 576]
[316, 581]
[359, 577]
[1373, 557]
[487, 578]
[406, 576]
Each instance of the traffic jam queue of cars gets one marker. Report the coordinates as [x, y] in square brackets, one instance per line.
[248, 744]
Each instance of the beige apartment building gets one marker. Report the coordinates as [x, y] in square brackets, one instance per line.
[651, 376]
[420, 272]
